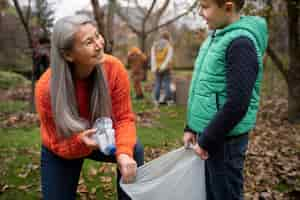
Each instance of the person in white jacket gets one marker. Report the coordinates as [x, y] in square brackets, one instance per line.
[161, 57]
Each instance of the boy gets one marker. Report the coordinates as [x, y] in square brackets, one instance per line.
[224, 94]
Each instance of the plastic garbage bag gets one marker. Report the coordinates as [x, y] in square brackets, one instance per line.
[177, 175]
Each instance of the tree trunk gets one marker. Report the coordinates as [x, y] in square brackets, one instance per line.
[142, 41]
[99, 17]
[25, 22]
[277, 61]
[3, 6]
[294, 64]
[109, 26]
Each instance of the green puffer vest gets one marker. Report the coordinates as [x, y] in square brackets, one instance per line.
[207, 92]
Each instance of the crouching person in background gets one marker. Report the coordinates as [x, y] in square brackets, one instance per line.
[136, 62]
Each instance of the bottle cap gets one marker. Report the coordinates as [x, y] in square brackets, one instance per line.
[111, 149]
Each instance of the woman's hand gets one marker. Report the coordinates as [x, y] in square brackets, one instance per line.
[189, 139]
[127, 167]
[85, 137]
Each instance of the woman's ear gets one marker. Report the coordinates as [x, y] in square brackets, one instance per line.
[68, 56]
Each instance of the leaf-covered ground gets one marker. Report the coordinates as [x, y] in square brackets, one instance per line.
[272, 168]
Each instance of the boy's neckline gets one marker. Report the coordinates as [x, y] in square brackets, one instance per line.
[230, 24]
[216, 32]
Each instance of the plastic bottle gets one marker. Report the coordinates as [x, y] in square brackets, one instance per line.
[105, 135]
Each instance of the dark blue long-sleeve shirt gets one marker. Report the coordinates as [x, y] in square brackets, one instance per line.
[241, 73]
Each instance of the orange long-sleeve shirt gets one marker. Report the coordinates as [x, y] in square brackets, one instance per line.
[123, 116]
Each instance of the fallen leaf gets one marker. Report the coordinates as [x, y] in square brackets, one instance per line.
[4, 188]
[82, 189]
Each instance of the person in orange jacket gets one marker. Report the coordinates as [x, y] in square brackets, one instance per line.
[136, 62]
[82, 85]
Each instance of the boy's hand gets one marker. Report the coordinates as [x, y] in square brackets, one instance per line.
[85, 137]
[203, 154]
[128, 167]
[189, 138]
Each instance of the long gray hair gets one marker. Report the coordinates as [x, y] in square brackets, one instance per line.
[63, 98]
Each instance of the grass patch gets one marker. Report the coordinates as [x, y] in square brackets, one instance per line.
[9, 107]
[11, 80]
[282, 187]
[20, 154]
[19, 163]
[167, 130]
[19, 137]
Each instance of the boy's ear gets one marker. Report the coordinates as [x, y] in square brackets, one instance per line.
[229, 6]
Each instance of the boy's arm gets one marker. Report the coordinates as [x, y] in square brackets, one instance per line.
[241, 74]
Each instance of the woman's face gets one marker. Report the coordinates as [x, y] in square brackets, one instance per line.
[87, 49]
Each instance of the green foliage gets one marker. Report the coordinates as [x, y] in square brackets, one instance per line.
[8, 62]
[11, 79]
[9, 107]
[11, 11]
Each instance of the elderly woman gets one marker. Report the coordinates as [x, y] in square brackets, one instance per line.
[82, 85]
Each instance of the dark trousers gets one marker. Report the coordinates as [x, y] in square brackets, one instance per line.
[162, 80]
[59, 177]
[224, 170]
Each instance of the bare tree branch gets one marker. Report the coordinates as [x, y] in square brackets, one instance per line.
[163, 7]
[150, 10]
[110, 25]
[174, 19]
[99, 16]
[143, 33]
[141, 9]
[126, 20]
[24, 22]
[161, 11]
[28, 13]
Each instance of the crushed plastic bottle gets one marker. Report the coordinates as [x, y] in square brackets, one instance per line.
[105, 135]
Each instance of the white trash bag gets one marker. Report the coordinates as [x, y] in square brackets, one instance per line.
[177, 175]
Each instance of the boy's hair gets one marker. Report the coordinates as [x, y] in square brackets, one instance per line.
[238, 3]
